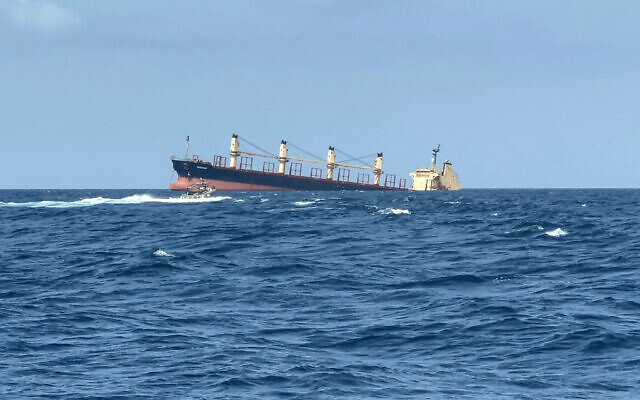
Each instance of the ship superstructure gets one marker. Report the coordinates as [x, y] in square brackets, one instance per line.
[433, 178]
[285, 172]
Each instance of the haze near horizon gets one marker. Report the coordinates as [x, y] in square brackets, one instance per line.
[519, 94]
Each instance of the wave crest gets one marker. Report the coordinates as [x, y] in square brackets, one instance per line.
[95, 201]
[162, 253]
[395, 211]
[558, 232]
[307, 203]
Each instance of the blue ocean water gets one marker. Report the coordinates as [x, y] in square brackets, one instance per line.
[496, 294]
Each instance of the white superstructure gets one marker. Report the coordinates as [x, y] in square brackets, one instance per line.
[433, 178]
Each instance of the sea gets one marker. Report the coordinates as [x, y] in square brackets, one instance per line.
[474, 294]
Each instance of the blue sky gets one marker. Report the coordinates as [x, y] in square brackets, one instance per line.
[519, 93]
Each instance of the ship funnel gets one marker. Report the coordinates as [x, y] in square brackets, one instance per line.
[377, 169]
[235, 150]
[331, 162]
[447, 170]
[282, 156]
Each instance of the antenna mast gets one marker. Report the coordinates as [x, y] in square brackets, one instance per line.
[435, 157]
[186, 154]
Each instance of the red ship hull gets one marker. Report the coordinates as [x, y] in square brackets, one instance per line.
[184, 182]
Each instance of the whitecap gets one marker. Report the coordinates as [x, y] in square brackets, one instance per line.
[145, 198]
[494, 214]
[94, 201]
[263, 200]
[307, 202]
[584, 204]
[162, 253]
[558, 232]
[395, 211]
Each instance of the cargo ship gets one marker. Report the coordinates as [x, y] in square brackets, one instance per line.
[239, 173]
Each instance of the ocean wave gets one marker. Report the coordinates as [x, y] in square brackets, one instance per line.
[234, 289]
[96, 201]
[394, 211]
[306, 202]
[558, 232]
[450, 280]
[162, 253]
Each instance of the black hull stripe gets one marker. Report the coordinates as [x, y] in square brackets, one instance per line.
[193, 169]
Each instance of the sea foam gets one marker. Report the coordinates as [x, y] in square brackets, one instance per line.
[162, 253]
[395, 211]
[558, 232]
[306, 203]
[95, 201]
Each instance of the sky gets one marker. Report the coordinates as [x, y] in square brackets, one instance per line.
[539, 94]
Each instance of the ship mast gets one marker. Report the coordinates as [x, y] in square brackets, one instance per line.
[186, 154]
[435, 157]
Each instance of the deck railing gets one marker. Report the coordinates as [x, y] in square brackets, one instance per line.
[246, 163]
[316, 173]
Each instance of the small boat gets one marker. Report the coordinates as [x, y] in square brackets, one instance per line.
[198, 190]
